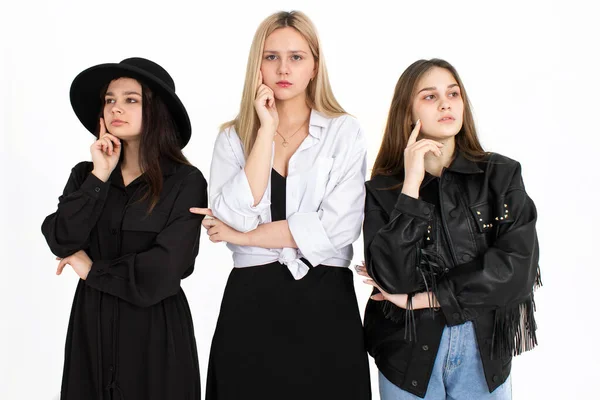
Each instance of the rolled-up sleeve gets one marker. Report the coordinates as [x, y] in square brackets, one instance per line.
[231, 198]
[321, 234]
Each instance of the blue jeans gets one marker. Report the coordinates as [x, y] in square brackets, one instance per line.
[457, 372]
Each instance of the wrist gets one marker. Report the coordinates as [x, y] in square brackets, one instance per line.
[266, 132]
[86, 272]
[420, 301]
[425, 300]
[411, 188]
[247, 239]
[103, 175]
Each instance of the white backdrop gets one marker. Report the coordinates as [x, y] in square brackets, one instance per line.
[529, 70]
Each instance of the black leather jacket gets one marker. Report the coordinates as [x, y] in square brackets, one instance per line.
[471, 239]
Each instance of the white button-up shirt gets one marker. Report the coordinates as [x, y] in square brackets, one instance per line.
[324, 195]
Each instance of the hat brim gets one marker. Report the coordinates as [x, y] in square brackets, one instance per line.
[87, 104]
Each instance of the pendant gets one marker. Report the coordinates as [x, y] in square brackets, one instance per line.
[284, 143]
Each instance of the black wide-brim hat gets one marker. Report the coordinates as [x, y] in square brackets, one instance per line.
[86, 87]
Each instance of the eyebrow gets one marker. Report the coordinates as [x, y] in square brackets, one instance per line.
[125, 93]
[291, 51]
[434, 88]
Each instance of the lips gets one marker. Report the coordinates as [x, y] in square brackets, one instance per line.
[117, 122]
[446, 119]
[284, 84]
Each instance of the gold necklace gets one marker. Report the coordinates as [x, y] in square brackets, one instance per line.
[285, 142]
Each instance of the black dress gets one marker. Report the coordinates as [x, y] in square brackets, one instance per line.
[281, 338]
[130, 334]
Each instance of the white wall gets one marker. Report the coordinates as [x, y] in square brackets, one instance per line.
[528, 68]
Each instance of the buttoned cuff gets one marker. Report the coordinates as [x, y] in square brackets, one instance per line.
[238, 196]
[102, 269]
[310, 236]
[416, 207]
[94, 187]
[96, 276]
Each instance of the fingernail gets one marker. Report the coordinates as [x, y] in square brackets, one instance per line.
[418, 121]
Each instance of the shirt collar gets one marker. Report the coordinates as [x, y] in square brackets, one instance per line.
[317, 123]
[460, 164]
[167, 166]
[463, 165]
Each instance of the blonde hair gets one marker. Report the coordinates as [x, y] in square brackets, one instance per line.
[319, 95]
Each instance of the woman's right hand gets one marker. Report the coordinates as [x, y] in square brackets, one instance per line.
[105, 153]
[414, 160]
[264, 104]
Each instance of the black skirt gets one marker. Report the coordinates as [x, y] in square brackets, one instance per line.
[281, 338]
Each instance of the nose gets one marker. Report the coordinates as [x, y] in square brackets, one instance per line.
[283, 68]
[444, 105]
[116, 109]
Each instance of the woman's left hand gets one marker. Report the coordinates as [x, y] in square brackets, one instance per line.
[419, 301]
[80, 262]
[217, 230]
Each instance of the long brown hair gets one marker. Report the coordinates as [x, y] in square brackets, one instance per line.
[319, 95]
[390, 159]
[158, 141]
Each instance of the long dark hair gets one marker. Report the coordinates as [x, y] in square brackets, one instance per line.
[158, 141]
[390, 159]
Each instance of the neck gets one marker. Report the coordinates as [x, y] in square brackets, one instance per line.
[292, 112]
[433, 164]
[131, 156]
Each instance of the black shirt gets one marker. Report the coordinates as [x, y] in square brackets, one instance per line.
[130, 328]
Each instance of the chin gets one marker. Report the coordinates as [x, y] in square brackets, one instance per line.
[441, 135]
[124, 135]
[286, 94]
[448, 131]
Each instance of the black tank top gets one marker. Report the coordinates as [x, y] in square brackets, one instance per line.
[278, 184]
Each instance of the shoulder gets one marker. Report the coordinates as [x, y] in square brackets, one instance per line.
[342, 129]
[347, 120]
[228, 139]
[502, 171]
[228, 134]
[383, 182]
[83, 167]
[501, 161]
[384, 191]
[346, 123]
[190, 172]
[189, 176]
[81, 170]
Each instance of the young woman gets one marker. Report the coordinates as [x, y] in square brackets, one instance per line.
[451, 247]
[123, 225]
[287, 195]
